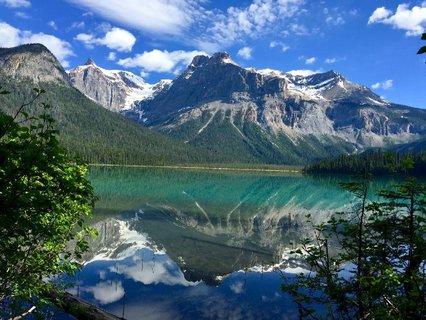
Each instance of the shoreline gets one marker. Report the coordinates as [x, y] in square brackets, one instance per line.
[189, 167]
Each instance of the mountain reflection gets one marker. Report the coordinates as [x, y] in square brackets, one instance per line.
[184, 244]
[211, 224]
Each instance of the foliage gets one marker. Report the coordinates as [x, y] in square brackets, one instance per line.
[376, 162]
[44, 199]
[422, 49]
[378, 270]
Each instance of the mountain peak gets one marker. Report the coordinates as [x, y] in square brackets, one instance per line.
[35, 48]
[33, 61]
[90, 62]
[222, 57]
[199, 60]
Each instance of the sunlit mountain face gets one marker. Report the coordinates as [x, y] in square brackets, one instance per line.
[176, 242]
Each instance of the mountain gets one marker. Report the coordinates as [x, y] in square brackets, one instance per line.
[86, 129]
[115, 90]
[275, 117]
[34, 62]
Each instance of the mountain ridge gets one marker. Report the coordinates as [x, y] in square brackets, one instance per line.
[276, 116]
[116, 90]
[240, 115]
[87, 130]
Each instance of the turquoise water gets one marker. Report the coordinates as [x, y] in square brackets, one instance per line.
[186, 244]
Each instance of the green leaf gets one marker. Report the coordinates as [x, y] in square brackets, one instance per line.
[422, 50]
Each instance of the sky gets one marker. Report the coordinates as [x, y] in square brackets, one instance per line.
[369, 42]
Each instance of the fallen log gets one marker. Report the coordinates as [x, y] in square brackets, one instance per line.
[78, 308]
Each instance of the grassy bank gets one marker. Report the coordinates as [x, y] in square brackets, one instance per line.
[217, 167]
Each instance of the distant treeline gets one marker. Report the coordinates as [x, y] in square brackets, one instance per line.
[376, 162]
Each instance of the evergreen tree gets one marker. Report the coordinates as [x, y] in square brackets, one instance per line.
[382, 244]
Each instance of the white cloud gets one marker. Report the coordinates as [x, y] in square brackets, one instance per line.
[193, 21]
[144, 74]
[330, 60]
[11, 37]
[283, 46]
[116, 39]
[52, 24]
[152, 16]
[335, 21]
[190, 21]
[379, 14]
[245, 53]
[413, 20]
[258, 18]
[385, 85]
[61, 49]
[16, 3]
[77, 25]
[311, 60]
[22, 15]
[296, 29]
[112, 56]
[161, 61]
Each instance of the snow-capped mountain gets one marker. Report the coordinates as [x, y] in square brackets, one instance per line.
[116, 90]
[275, 116]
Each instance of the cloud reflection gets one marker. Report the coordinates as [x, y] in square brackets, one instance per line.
[106, 292]
[158, 269]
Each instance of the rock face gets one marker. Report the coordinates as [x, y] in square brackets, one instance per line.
[275, 115]
[32, 61]
[116, 90]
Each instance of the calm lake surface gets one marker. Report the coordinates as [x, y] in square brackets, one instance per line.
[182, 244]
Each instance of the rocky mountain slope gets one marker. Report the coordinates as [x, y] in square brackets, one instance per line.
[86, 129]
[116, 90]
[276, 117]
[32, 61]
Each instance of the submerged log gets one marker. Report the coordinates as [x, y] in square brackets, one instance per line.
[80, 309]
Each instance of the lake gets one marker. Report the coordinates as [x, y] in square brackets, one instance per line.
[187, 244]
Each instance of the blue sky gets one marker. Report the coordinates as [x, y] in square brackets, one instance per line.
[369, 42]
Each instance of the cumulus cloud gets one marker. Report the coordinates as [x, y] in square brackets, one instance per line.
[279, 44]
[330, 60]
[161, 61]
[115, 39]
[189, 21]
[385, 85]
[379, 14]
[16, 3]
[311, 60]
[11, 37]
[245, 53]
[413, 20]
